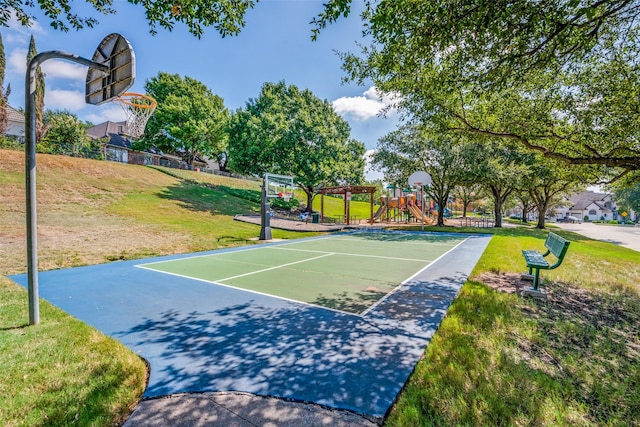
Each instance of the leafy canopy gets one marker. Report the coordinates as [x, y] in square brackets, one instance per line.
[290, 131]
[554, 76]
[226, 16]
[189, 120]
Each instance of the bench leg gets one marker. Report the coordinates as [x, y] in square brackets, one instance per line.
[536, 279]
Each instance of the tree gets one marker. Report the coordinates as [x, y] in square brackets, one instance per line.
[499, 166]
[39, 104]
[546, 180]
[189, 120]
[415, 147]
[4, 119]
[65, 134]
[467, 193]
[226, 16]
[553, 76]
[290, 131]
[627, 197]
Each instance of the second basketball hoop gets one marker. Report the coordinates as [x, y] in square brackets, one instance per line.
[138, 108]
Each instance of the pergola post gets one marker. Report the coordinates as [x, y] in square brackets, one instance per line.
[371, 206]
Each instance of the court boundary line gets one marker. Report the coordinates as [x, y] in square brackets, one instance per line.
[211, 282]
[326, 254]
[354, 255]
[401, 285]
[223, 251]
[272, 246]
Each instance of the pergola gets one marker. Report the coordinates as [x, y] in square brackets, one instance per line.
[347, 191]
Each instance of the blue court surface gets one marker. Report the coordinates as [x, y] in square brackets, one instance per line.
[201, 336]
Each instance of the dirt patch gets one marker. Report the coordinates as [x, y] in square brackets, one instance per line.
[510, 283]
[613, 314]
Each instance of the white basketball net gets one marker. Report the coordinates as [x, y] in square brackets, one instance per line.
[138, 108]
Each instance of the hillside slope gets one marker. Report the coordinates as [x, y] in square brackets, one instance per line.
[63, 372]
[93, 211]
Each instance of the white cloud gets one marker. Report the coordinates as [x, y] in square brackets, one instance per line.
[364, 107]
[369, 173]
[34, 28]
[17, 62]
[107, 112]
[64, 70]
[59, 99]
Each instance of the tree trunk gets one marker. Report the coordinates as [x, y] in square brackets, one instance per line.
[308, 190]
[497, 211]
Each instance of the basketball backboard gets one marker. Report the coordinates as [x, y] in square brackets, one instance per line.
[115, 52]
[419, 179]
[278, 186]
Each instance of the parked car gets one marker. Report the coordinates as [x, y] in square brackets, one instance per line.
[571, 219]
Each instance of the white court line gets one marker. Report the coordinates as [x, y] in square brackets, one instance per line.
[407, 242]
[377, 303]
[237, 288]
[350, 254]
[275, 267]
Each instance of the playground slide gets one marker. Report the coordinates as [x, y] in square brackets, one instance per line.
[381, 210]
[415, 211]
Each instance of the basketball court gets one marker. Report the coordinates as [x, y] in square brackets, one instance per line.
[340, 321]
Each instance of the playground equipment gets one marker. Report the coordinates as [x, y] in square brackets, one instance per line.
[382, 209]
[420, 179]
[419, 214]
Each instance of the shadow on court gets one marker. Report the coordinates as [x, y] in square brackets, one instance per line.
[199, 337]
[302, 353]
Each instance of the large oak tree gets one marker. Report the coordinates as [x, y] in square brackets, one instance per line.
[560, 78]
[189, 121]
[289, 131]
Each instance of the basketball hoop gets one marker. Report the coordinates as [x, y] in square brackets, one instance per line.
[138, 109]
[286, 196]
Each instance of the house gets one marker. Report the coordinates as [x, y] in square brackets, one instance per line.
[16, 123]
[590, 206]
[118, 146]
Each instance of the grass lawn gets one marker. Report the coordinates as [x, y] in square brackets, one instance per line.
[497, 359]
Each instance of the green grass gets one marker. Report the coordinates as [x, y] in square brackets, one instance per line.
[497, 359]
[62, 371]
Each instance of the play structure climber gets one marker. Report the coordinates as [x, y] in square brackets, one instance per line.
[402, 209]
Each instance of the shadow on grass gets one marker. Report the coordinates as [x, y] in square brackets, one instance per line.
[521, 361]
[210, 199]
[14, 328]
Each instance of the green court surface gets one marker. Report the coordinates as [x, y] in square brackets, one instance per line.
[346, 272]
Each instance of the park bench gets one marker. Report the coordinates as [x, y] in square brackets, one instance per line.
[537, 261]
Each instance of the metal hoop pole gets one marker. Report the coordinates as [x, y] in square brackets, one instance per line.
[30, 171]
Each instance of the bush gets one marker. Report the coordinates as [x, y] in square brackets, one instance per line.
[613, 221]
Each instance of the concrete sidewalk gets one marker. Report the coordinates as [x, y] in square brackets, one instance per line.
[626, 236]
[239, 410]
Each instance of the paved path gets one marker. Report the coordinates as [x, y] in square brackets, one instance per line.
[626, 236]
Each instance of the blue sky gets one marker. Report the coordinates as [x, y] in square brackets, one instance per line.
[275, 45]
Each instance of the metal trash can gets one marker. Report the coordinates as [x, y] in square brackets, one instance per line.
[315, 217]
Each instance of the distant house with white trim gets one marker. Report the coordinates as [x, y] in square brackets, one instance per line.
[590, 205]
[117, 147]
[15, 123]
